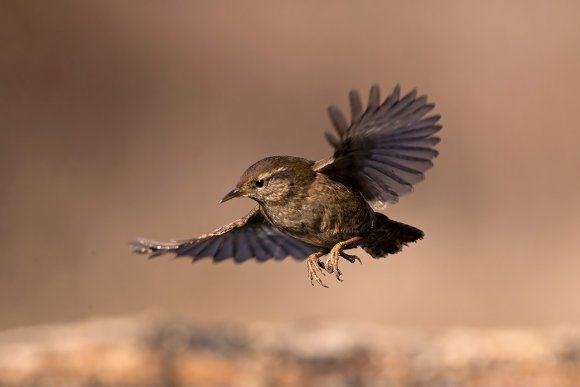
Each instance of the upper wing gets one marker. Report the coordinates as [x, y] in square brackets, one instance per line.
[250, 236]
[386, 148]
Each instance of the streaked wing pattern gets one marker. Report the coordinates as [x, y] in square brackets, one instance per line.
[249, 237]
[386, 148]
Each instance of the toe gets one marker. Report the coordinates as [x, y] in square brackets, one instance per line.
[329, 268]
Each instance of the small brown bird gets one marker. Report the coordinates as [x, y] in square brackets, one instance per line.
[307, 209]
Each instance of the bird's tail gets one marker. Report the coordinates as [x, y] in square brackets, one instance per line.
[389, 237]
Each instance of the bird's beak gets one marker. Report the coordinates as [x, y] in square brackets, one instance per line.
[230, 195]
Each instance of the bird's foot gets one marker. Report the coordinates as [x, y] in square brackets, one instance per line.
[350, 258]
[314, 265]
[331, 264]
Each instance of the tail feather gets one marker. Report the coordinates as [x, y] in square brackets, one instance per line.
[389, 237]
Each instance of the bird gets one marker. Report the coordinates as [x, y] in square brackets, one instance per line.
[309, 209]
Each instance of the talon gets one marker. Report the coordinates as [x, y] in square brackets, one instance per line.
[331, 264]
[328, 265]
[335, 254]
[350, 258]
[313, 264]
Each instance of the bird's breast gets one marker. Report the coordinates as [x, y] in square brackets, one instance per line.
[325, 214]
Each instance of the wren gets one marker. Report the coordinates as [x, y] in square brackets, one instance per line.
[307, 209]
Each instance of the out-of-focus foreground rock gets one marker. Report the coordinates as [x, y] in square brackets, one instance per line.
[153, 352]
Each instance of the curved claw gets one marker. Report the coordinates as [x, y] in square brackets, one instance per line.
[331, 264]
[313, 264]
[350, 258]
[338, 274]
[328, 267]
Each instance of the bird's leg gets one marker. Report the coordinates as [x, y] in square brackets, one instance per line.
[313, 263]
[334, 256]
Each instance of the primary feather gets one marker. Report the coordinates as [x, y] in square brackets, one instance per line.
[384, 151]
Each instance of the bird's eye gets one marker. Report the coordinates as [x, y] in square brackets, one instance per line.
[260, 183]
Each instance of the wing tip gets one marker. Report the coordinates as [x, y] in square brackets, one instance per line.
[396, 91]
[338, 120]
[374, 97]
[140, 246]
[153, 248]
[334, 142]
[356, 107]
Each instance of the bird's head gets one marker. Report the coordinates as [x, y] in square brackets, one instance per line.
[273, 179]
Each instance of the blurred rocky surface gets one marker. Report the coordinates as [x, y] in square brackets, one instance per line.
[155, 352]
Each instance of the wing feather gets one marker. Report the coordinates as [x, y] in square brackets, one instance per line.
[275, 250]
[374, 99]
[300, 249]
[227, 248]
[337, 119]
[387, 148]
[243, 248]
[356, 107]
[249, 237]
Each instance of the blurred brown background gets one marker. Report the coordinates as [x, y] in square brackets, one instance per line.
[133, 118]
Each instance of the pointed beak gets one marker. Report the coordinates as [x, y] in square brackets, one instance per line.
[230, 195]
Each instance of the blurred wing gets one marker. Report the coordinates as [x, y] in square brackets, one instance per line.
[249, 237]
[386, 148]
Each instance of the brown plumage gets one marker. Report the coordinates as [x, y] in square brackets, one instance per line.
[307, 209]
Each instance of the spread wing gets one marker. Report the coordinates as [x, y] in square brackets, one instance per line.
[386, 148]
[248, 237]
